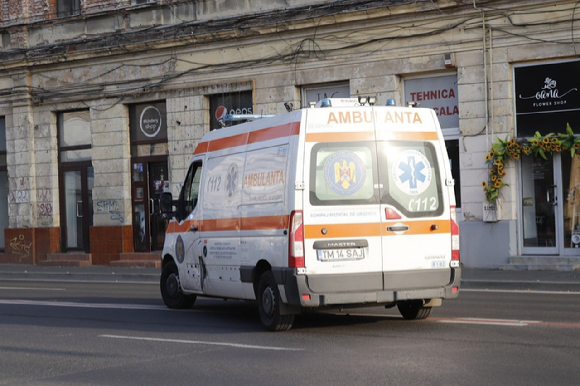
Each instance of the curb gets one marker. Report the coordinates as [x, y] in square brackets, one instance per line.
[507, 285]
[92, 274]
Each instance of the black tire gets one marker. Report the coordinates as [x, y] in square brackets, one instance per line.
[171, 292]
[414, 310]
[268, 299]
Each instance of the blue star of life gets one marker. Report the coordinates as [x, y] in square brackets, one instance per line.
[412, 172]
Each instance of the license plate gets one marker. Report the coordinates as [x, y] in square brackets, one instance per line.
[341, 254]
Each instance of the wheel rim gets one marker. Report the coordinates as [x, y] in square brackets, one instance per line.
[268, 301]
[172, 285]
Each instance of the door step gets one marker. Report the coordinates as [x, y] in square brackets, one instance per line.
[542, 263]
[66, 260]
[138, 260]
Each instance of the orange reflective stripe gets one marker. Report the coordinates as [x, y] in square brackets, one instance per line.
[340, 137]
[406, 135]
[292, 128]
[226, 143]
[422, 227]
[342, 230]
[269, 133]
[201, 148]
[264, 222]
[232, 224]
[374, 229]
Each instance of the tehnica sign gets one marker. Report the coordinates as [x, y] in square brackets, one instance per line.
[438, 93]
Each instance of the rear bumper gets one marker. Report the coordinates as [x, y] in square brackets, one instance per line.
[312, 291]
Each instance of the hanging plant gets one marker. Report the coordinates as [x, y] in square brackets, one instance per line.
[502, 151]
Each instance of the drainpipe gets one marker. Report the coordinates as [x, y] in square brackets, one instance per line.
[484, 73]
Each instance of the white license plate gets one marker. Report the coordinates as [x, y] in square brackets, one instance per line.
[341, 254]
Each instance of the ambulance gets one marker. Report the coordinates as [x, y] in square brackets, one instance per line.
[341, 205]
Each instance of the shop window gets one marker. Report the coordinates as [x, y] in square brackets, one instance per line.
[5, 40]
[238, 103]
[315, 93]
[68, 7]
[74, 136]
[148, 126]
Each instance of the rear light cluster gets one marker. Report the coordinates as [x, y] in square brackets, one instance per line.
[296, 240]
[454, 239]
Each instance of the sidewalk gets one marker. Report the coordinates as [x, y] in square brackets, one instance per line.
[484, 279]
[480, 279]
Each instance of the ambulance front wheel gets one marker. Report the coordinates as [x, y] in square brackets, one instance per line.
[171, 292]
[414, 310]
[268, 299]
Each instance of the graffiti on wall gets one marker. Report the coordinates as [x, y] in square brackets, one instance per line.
[111, 207]
[19, 245]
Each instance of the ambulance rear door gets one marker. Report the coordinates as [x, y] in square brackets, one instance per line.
[341, 201]
[414, 199]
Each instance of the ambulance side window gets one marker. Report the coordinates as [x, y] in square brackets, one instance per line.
[190, 191]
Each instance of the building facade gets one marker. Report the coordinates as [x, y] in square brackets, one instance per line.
[102, 103]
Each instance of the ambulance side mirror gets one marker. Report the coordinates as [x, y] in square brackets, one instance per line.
[166, 205]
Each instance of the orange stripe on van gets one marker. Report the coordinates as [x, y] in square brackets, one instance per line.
[264, 223]
[227, 142]
[340, 137]
[374, 229]
[201, 148]
[274, 132]
[232, 224]
[342, 230]
[286, 130]
[406, 135]
[422, 227]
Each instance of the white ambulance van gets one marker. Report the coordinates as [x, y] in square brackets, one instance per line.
[320, 207]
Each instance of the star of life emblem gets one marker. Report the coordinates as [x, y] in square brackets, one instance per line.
[412, 172]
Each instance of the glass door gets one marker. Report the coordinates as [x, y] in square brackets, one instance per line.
[540, 199]
[150, 179]
[77, 207]
[571, 206]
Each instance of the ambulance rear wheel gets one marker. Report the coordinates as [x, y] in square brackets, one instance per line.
[414, 310]
[268, 298]
[171, 292]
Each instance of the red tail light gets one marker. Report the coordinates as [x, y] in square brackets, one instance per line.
[454, 239]
[296, 241]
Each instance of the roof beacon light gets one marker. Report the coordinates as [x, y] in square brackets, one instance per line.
[391, 102]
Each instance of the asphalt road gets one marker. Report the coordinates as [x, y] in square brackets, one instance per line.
[61, 333]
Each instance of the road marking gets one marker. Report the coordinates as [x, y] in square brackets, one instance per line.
[82, 305]
[32, 289]
[521, 291]
[504, 322]
[490, 322]
[226, 344]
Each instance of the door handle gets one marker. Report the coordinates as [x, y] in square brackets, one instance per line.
[193, 228]
[80, 211]
[554, 200]
[398, 228]
[151, 207]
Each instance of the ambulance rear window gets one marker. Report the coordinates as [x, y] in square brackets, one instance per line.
[410, 178]
[343, 174]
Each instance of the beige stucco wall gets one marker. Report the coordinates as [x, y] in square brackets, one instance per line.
[373, 51]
